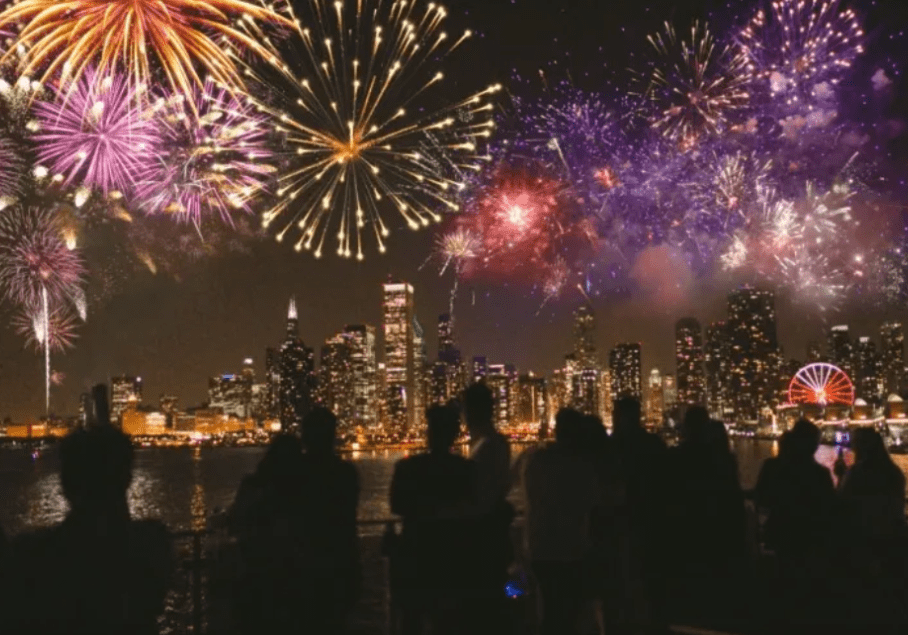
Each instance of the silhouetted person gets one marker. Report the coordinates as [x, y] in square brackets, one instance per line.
[796, 494]
[99, 572]
[492, 549]
[608, 527]
[873, 491]
[562, 490]
[330, 490]
[434, 494]
[642, 456]
[268, 517]
[708, 520]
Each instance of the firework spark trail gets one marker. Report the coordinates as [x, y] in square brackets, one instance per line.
[798, 45]
[215, 157]
[96, 133]
[69, 36]
[12, 168]
[358, 97]
[61, 335]
[697, 87]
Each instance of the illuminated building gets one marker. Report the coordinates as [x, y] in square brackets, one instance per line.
[446, 380]
[232, 394]
[500, 380]
[532, 401]
[586, 371]
[364, 374]
[124, 390]
[814, 352]
[259, 402]
[86, 409]
[420, 374]
[655, 399]
[168, 406]
[625, 365]
[605, 389]
[584, 336]
[669, 391]
[480, 369]
[840, 348]
[717, 362]
[892, 356]
[689, 362]
[297, 374]
[335, 381]
[400, 354]
[868, 372]
[560, 390]
[272, 382]
[753, 351]
[141, 423]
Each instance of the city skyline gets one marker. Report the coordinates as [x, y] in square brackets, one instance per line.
[657, 340]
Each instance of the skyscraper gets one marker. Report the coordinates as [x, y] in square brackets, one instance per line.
[892, 356]
[297, 374]
[272, 382]
[446, 344]
[841, 350]
[447, 372]
[364, 371]
[400, 354]
[499, 380]
[584, 336]
[624, 362]
[124, 391]
[754, 350]
[868, 377]
[335, 379]
[532, 401]
[231, 394]
[689, 361]
[420, 373]
[480, 368]
[717, 350]
[669, 391]
[655, 399]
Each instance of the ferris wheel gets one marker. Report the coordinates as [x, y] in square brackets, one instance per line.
[821, 384]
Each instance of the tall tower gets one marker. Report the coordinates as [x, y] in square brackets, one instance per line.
[624, 362]
[400, 354]
[717, 350]
[841, 349]
[336, 379]
[754, 350]
[868, 377]
[364, 371]
[689, 361]
[585, 336]
[297, 374]
[892, 356]
[125, 391]
[655, 398]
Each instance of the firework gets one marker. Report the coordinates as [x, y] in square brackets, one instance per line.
[457, 247]
[69, 36]
[11, 169]
[214, 158]
[61, 332]
[366, 122]
[799, 49]
[35, 262]
[96, 134]
[697, 87]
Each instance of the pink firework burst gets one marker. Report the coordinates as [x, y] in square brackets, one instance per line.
[36, 266]
[519, 219]
[215, 157]
[61, 331]
[96, 133]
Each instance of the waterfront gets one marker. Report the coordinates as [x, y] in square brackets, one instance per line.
[183, 486]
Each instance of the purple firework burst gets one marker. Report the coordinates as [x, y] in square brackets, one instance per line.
[95, 133]
[215, 157]
[61, 331]
[35, 261]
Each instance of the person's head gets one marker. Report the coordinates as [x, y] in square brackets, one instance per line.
[867, 443]
[626, 416]
[568, 428]
[478, 409]
[593, 432]
[785, 444]
[695, 426]
[717, 436]
[95, 467]
[804, 438]
[281, 458]
[319, 429]
[443, 427]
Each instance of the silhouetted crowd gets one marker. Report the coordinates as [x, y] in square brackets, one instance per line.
[620, 534]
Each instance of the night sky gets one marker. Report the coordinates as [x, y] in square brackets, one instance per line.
[175, 334]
